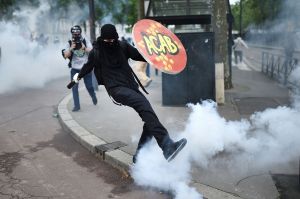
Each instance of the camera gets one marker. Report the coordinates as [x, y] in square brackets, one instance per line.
[77, 39]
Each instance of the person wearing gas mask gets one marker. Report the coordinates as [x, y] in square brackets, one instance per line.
[77, 51]
[109, 59]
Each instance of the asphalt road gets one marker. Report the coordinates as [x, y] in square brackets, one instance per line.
[39, 160]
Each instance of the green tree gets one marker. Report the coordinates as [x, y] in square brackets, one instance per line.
[256, 12]
[121, 11]
[132, 15]
[127, 13]
[7, 7]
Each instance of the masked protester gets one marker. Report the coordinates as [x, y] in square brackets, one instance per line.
[109, 59]
[77, 51]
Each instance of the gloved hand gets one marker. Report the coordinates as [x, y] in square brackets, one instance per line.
[75, 78]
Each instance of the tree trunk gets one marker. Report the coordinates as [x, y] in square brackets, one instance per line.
[92, 20]
[220, 28]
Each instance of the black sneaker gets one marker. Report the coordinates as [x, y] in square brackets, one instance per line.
[171, 152]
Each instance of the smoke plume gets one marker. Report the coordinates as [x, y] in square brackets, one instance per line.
[26, 64]
[267, 136]
[32, 41]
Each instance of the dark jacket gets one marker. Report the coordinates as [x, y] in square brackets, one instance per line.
[109, 75]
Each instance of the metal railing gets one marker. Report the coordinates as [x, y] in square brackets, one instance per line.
[278, 67]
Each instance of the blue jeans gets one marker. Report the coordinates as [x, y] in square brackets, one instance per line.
[88, 84]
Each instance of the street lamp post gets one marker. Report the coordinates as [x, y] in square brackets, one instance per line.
[241, 13]
[92, 20]
[230, 21]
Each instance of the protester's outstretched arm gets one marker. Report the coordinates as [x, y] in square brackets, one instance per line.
[88, 66]
[134, 53]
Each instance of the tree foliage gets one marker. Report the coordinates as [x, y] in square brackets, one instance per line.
[256, 12]
[7, 7]
[120, 11]
[127, 13]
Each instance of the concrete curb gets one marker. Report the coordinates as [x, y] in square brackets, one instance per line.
[117, 158]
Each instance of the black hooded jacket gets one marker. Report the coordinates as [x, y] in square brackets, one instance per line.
[111, 67]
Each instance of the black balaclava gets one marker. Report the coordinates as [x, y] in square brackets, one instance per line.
[113, 56]
[108, 31]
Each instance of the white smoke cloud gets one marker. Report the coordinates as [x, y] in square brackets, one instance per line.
[24, 62]
[268, 138]
[152, 170]
[30, 17]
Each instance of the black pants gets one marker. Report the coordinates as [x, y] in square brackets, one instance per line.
[152, 126]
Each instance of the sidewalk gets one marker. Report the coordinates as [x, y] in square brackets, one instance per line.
[108, 123]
